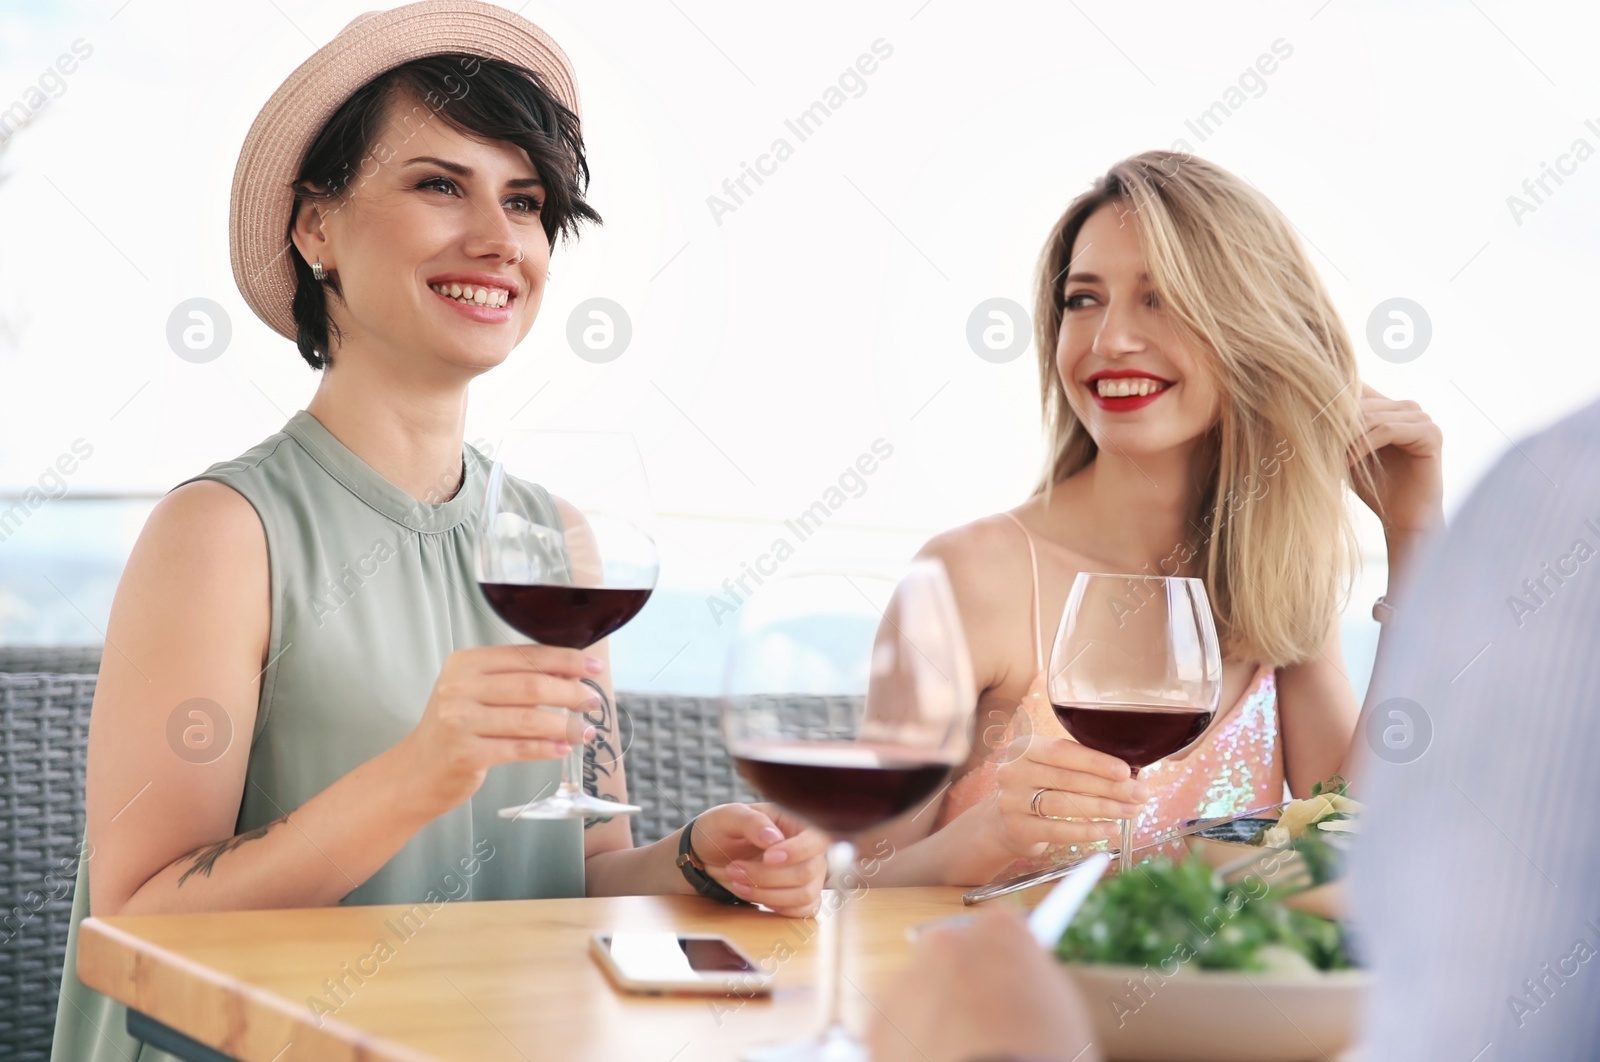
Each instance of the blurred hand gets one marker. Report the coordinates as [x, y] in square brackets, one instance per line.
[484, 710]
[1402, 448]
[1085, 785]
[761, 853]
[979, 991]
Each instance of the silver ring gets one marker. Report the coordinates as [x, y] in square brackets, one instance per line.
[1034, 804]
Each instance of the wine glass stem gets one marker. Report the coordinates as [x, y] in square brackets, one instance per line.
[1125, 855]
[572, 770]
[572, 762]
[841, 860]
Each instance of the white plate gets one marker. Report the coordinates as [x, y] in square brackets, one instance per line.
[1206, 1016]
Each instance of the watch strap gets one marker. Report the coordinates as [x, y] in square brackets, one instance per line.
[694, 871]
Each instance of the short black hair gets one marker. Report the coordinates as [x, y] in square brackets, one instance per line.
[488, 98]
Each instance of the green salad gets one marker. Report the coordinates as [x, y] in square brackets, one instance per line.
[1176, 915]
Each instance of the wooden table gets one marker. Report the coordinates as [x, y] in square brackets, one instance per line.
[480, 982]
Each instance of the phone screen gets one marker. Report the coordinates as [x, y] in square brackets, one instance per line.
[713, 955]
[655, 956]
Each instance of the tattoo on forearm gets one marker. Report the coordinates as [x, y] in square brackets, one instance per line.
[206, 856]
[599, 755]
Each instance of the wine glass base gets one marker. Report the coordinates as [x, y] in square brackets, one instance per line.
[834, 1045]
[564, 806]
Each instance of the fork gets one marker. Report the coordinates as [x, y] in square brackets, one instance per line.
[1294, 875]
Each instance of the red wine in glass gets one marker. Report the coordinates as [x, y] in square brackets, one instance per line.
[841, 787]
[847, 701]
[1136, 669]
[575, 617]
[1137, 734]
[562, 560]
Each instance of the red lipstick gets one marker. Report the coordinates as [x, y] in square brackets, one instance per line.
[1128, 403]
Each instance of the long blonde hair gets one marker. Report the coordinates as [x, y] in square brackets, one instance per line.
[1271, 535]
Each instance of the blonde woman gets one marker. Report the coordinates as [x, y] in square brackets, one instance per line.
[1204, 417]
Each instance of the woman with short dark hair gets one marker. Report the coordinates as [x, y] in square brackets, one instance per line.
[305, 700]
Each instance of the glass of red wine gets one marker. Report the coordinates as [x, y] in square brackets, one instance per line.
[1136, 671]
[847, 701]
[563, 559]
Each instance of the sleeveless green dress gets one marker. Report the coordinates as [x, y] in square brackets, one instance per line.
[371, 590]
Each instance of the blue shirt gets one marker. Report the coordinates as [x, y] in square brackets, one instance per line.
[1476, 881]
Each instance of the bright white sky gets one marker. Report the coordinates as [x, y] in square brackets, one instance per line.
[830, 309]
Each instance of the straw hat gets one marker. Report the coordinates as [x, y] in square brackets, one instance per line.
[372, 43]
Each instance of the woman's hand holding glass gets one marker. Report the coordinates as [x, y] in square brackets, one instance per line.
[485, 710]
[1084, 792]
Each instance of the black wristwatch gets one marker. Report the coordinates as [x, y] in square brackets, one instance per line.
[694, 872]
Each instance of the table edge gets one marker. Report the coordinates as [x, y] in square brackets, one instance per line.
[110, 940]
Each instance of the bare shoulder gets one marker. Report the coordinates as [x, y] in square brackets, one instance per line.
[198, 533]
[972, 551]
[987, 561]
[195, 599]
[210, 508]
[203, 535]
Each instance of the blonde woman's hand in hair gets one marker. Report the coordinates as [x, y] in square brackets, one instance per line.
[1402, 448]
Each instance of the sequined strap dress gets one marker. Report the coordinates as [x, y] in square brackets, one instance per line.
[1238, 764]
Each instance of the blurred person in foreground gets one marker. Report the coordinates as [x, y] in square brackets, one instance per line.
[1476, 879]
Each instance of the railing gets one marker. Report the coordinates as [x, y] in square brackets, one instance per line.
[60, 563]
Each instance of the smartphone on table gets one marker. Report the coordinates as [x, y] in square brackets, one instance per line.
[660, 962]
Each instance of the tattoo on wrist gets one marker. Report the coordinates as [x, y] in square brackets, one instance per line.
[599, 755]
[206, 855]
